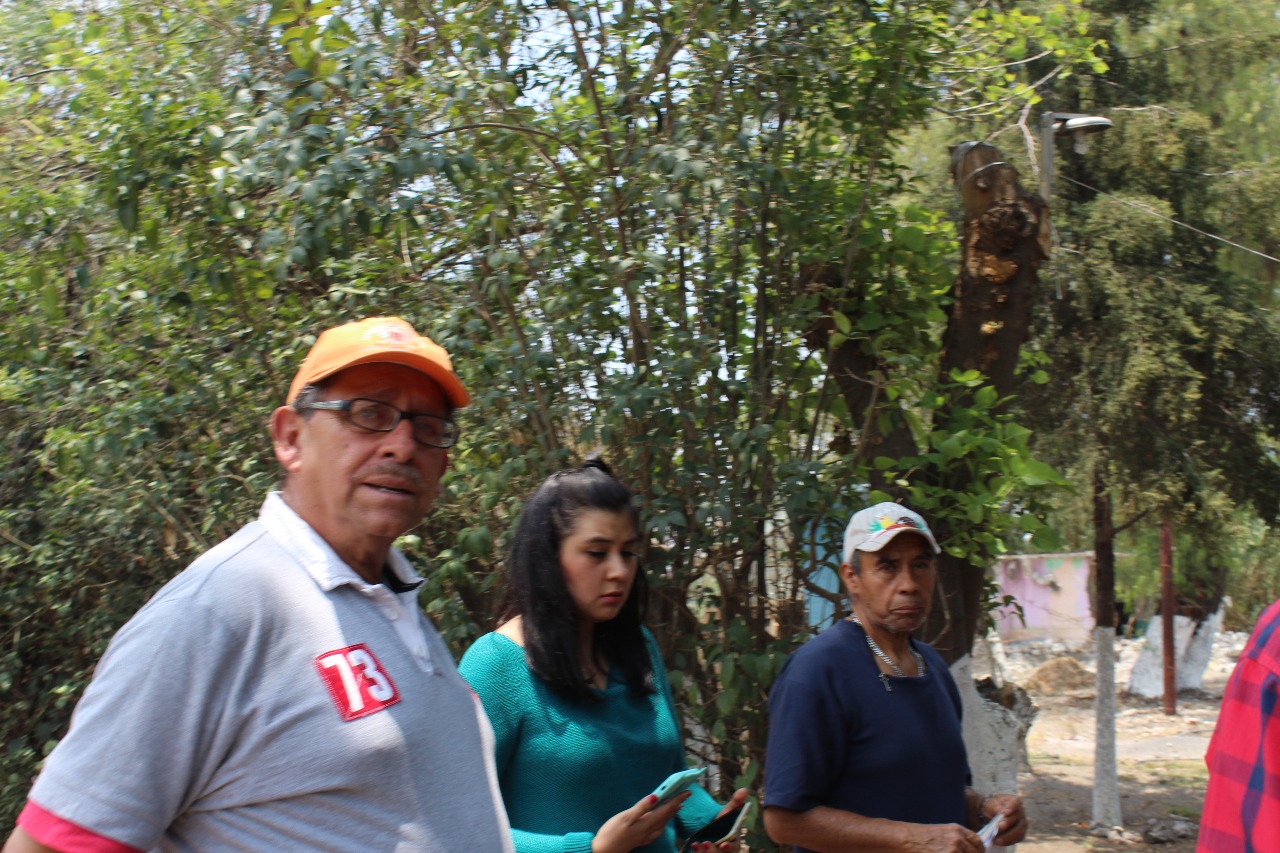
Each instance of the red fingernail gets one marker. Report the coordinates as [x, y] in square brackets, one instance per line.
[652, 799]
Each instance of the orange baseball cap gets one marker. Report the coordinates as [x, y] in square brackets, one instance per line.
[378, 339]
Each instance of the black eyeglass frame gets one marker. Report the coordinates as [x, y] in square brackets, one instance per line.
[449, 432]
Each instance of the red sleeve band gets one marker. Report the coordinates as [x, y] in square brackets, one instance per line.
[52, 831]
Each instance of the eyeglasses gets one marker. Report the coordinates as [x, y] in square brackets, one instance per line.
[377, 416]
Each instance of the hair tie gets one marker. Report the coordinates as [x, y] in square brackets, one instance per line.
[593, 460]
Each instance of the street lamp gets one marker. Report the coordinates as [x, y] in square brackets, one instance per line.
[1106, 796]
[1052, 124]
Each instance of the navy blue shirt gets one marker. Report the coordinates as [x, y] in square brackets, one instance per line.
[838, 738]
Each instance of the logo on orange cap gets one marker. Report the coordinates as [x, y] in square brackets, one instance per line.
[378, 340]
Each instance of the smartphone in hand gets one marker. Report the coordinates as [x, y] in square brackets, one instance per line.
[722, 829]
[677, 783]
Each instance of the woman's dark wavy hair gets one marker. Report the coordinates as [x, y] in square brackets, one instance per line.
[536, 589]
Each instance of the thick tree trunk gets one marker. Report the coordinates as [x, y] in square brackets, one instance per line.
[1193, 641]
[1004, 242]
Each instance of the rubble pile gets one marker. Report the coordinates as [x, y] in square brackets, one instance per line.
[1058, 676]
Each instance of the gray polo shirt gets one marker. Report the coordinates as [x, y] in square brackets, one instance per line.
[266, 699]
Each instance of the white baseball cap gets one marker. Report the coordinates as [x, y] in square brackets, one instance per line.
[872, 528]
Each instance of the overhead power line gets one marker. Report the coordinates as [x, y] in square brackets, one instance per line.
[1151, 212]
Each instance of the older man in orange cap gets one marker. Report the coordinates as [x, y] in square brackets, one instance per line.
[285, 692]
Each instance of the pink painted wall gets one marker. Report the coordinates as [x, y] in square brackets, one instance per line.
[1053, 590]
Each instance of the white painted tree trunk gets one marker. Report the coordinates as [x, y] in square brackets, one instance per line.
[1106, 786]
[1193, 646]
[990, 737]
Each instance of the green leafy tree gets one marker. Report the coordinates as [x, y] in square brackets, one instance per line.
[1160, 348]
[655, 229]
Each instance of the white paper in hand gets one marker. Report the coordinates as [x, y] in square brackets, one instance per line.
[988, 832]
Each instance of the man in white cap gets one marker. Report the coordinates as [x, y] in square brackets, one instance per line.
[865, 750]
[285, 692]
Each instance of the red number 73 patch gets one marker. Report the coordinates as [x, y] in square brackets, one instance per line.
[356, 681]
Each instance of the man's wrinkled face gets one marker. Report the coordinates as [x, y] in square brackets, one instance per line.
[894, 586]
[359, 489]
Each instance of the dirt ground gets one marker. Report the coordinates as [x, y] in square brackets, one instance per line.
[1160, 758]
[1160, 763]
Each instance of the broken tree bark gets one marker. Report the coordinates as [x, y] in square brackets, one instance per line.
[1005, 239]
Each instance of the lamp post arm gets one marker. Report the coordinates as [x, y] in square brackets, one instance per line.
[1047, 122]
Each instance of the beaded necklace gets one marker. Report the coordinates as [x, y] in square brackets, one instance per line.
[879, 652]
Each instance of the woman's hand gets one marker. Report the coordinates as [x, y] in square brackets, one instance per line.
[734, 844]
[637, 826]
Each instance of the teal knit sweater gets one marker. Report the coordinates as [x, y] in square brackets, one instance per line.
[567, 767]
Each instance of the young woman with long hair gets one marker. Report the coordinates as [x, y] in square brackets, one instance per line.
[584, 722]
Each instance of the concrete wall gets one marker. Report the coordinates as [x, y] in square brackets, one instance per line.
[1053, 590]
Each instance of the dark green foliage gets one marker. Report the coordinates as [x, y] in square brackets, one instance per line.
[1160, 340]
[639, 228]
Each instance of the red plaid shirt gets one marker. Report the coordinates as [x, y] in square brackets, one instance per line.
[1242, 803]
